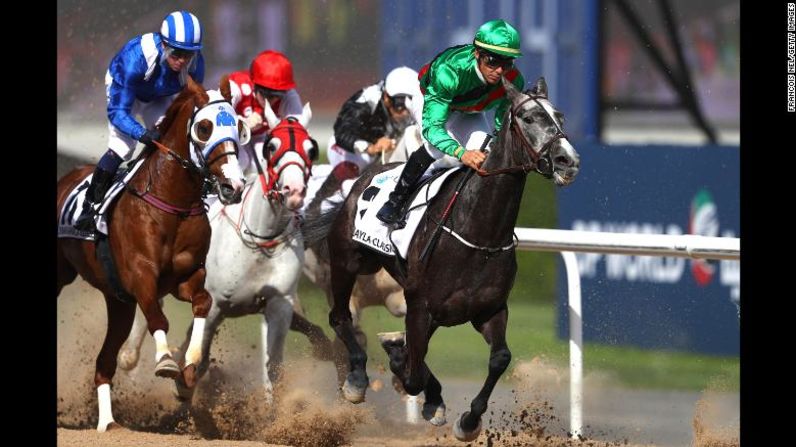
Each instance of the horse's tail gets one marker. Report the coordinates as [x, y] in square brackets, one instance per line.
[316, 226]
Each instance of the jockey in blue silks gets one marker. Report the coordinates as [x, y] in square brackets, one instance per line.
[143, 77]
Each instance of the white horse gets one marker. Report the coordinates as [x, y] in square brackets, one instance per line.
[256, 251]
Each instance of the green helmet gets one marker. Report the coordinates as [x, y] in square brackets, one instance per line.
[498, 37]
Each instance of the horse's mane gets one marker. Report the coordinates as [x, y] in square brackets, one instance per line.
[191, 91]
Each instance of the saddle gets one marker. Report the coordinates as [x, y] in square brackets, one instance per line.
[372, 233]
[73, 205]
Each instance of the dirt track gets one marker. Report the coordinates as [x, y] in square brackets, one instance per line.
[528, 410]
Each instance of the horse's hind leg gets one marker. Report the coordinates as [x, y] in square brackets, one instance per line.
[120, 318]
[66, 273]
[356, 382]
[493, 330]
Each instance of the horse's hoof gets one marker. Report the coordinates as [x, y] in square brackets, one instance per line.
[352, 393]
[167, 367]
[128, 360]
[388, 339]
[465, 436]
[189, 376]
[181, 392]
[112, 425]
[434, 414]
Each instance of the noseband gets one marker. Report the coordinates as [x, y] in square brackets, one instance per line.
[539, 160]
[292, 126]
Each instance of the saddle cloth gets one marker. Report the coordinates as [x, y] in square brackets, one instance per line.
[73, 205]
[373, 233]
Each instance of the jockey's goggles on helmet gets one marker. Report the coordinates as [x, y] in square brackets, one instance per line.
[400, 102]
[494, 61]
[271, 93]
[180, 53]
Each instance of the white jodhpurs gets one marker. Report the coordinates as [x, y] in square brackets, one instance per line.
[337, 155]
[469, 129]
[151, 112]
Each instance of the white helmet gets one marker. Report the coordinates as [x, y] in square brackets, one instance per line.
[402, 81]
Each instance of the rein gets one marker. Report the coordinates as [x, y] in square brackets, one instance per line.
[268, 242]
[541, 161]
[203, 172]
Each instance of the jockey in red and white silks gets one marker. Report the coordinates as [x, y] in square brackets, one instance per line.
[270, 78]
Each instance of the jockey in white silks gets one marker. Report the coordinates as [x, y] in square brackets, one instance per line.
[143, 78]
[372, 120]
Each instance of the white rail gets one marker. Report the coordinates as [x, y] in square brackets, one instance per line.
[567, 242]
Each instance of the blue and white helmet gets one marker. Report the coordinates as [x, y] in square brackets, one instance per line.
[181, 29]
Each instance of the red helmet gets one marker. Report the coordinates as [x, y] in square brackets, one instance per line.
[272, 69]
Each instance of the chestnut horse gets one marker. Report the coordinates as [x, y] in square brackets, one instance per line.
[159, 234]
[467, 278]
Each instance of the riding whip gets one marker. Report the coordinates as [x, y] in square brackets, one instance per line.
[437, 231]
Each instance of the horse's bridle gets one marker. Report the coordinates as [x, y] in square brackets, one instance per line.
[292, 145]
[202, 171]
[542, 160]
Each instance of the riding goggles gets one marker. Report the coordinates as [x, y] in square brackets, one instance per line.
[180, 53]
[401, 102]
[494, 61]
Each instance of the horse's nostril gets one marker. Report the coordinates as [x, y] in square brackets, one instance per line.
[561, 160]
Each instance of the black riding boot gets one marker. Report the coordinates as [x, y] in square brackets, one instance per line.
[417, 164]
[100, 183]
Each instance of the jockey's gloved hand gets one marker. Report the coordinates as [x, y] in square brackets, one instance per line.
[149, 136]
[254, 121]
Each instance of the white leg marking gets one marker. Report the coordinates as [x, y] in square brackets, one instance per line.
[161, 345]
[104, 400]
[194, 353]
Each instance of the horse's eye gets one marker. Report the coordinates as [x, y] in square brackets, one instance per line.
[528, 119]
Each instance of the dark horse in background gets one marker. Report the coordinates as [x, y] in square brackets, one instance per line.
[460, 281]
[157, 249]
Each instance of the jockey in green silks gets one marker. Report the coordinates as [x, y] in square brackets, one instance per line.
[457, 87]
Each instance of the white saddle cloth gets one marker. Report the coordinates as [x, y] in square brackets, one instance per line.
[373, 233]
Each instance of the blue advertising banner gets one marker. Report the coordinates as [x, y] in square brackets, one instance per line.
[656, 302]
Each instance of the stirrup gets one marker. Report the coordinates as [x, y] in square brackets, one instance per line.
[85, 222]
[389, 213]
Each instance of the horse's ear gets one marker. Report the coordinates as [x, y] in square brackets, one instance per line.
[223, 87]
[511, 90]
[270, 116]
[540, 89]
[306, 115]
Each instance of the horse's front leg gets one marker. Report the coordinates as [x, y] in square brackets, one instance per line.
[277, 317]
[394, 343]
[193, 290]
[144, 288]
[214, 318]
[493, 330]
[131, 350]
